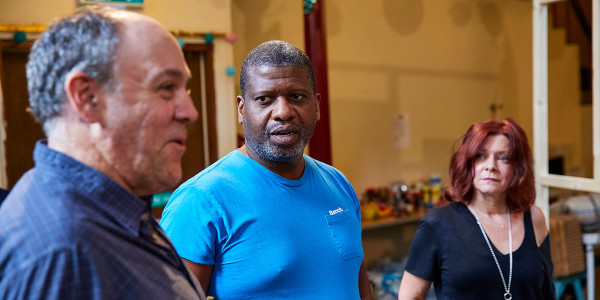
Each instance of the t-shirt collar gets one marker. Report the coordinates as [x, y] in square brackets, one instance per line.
[269, 173]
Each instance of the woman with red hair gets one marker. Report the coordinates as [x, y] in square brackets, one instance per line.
[491, 241]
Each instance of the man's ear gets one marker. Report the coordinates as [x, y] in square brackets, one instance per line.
[82, 95]
[240, 105]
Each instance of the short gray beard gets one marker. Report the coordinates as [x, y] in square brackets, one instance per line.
[269, 152]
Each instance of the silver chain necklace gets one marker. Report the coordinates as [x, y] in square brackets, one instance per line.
[507, 294]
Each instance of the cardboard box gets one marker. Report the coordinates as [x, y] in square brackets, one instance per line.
[566, 245]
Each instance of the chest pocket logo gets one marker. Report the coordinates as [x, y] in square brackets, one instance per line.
[345, 231]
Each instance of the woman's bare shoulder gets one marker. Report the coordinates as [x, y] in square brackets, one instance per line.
[539, 224]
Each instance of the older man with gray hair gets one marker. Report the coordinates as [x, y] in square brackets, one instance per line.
[109, 88]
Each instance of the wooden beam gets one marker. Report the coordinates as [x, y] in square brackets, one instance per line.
[540, 103]
[595, 87]
[550, 1]
[315, 40]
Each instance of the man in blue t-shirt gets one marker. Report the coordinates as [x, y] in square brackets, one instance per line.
[267, 221]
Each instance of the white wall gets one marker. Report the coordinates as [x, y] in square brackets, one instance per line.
[443, 63]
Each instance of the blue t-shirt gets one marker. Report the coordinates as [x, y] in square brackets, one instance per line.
[269, 237]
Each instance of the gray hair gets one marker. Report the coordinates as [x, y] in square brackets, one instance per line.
[83, 41]
[275, 54]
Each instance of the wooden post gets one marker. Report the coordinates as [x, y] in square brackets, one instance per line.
[315, 41]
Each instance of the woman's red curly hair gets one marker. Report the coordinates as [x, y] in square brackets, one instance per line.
[521, 189]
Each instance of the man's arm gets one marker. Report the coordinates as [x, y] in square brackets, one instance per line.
[58, 275]
[202, 272]
[364, 286]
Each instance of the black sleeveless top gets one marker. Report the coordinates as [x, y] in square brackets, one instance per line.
[450, 251]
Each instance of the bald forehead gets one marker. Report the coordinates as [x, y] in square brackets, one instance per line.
[123, 15]
[140, 32]
[134, 24]
[147, 51]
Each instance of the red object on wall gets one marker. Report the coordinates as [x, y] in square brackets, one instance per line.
[315, 41]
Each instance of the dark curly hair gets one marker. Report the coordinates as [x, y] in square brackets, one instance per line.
[521, 189]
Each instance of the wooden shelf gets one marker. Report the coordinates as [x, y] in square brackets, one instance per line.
[392, 221]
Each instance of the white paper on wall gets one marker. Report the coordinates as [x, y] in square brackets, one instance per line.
[401, 131]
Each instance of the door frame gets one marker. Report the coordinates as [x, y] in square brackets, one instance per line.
[208, 102]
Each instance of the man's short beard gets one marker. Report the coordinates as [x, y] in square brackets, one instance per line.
[269, 152]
